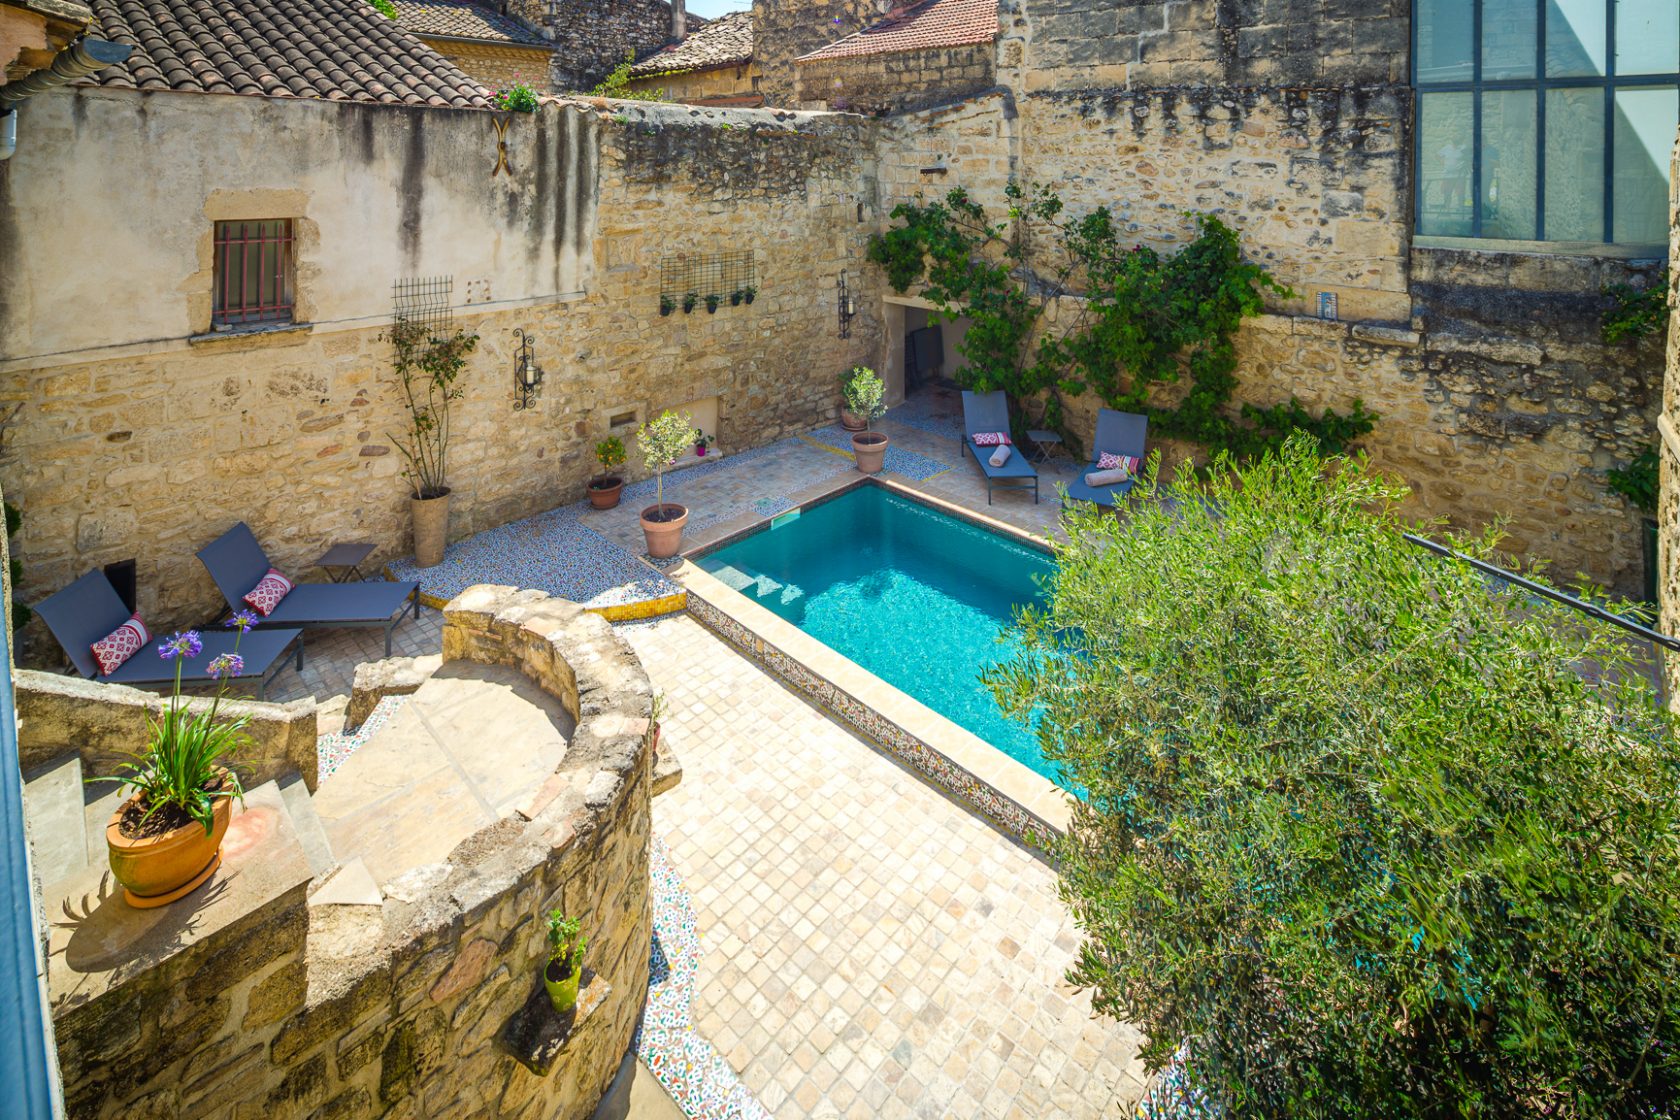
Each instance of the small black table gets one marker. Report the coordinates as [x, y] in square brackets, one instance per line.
[341, 561]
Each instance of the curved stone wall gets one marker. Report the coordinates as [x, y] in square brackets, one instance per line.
[429, 1004]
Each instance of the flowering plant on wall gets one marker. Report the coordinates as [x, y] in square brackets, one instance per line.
[519, 97]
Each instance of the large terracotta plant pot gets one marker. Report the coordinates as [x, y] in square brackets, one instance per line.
[870, 448]
[160, 869]
[851, 421]
[431, 528]
[562, 989]
[604, 492]
[664, 535]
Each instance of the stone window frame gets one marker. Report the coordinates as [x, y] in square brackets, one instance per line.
[1540, 84]
[252, 204]
[239, 237]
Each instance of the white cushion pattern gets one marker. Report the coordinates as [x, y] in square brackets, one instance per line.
[119, 645]
[268, 592]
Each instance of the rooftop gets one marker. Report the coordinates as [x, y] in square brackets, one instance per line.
[929, 25]
[334, 50]
[463, 19]
[725, 41]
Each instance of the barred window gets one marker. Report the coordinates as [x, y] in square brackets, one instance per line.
[1546, 120]
[253, 272]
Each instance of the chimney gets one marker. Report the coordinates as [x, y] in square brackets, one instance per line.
[679, 21]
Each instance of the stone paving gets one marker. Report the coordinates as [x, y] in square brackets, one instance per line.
[870, 948]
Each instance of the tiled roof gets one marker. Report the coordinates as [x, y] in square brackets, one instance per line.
[462, 19]
[926, 26]
[336, 50]
[725, 41]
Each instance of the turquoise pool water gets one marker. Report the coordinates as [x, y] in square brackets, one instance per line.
[914, 596]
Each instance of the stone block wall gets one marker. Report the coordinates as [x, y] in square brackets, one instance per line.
[591, 37]
[500, 66]
[398, 1010]
[890, 83]
[1668, 451]
[785, 29]
[725, 84]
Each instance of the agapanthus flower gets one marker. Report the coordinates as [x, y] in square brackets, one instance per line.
[185, 644]
[225, 665]
[242, 621]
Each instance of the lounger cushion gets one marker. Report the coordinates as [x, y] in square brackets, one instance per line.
[1108, 461]
[268, 592]
[119, 645]
[991, 439]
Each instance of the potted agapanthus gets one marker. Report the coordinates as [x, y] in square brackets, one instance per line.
[863, 398]
[605, 487]
[663, 440]
[565, 961]
[166, 838]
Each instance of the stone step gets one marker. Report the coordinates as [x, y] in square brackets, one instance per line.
[54, 810]
[306, 823]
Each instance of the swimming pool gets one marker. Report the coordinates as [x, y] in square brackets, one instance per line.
[913, 595]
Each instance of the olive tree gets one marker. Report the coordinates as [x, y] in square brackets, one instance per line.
[1366, 833]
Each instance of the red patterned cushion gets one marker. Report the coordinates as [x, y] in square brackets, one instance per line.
[991, 439]
[1108, 461]
[268, 592]
[119, 645]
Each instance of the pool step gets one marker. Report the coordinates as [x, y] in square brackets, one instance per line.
[758, 587]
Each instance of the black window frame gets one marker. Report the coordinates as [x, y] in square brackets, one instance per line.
[1540, 85]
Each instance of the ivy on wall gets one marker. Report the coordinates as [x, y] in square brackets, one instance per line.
[1142, 319]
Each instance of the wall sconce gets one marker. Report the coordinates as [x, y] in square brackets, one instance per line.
[846, 305]
[527, 374]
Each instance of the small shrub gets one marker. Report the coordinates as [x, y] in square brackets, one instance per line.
[1639, 481]
[663, 440]
[617, 84]
[863, 392]
[519, 97]
[1635, 313]
[610, 454]
[384, 8]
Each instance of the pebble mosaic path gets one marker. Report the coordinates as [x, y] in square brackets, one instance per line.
[909, 464]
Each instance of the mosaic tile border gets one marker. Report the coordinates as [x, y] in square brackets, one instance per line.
[333, 748]
[689, 1068]
[1001, 810]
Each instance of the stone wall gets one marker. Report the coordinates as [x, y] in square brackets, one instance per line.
[137, 439]
[727, 84]
[400, 1009]
[890, 83]
[500, 66]
[591, 37]
[1668, 444]
[785, 29]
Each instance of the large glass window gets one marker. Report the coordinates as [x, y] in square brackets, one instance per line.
[1546, 120]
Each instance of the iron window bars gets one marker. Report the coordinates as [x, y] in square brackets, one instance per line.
[253, 272]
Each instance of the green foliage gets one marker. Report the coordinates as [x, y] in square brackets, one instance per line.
[1142, 318]
[863, 392]
[21, 614]
[565, 943]
[519, 97]
[426, 367]
[1635, 313]
[610, 453]
[1639, 481]
[384, 8]
[617, 84]
[1357, 828]
[662, 440]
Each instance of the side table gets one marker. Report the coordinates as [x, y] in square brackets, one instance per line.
[342, 561]
[1043, 442]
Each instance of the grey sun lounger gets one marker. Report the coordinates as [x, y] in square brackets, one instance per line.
[989, 412]
[237, 563]
[1118, 433]
[90, 609]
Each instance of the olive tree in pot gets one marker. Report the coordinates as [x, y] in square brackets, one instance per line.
[663, 440]
[863, 398]
[565, 961]
[605, 487]
[426, 367]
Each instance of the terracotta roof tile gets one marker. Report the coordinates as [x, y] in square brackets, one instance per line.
[727, 40]
[334, 50]
[929, 25]
[463, 19]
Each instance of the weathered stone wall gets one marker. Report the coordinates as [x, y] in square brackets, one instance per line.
[302, 1011]
[1668, 451]
[102, 724]
[723, 83]
[785, 29]
[890, 83]
[499, 66]
[136, 440]
[591, 37]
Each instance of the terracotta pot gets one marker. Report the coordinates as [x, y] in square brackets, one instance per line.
[431, 528]
[851, 421]
[562, 993]
[870, 448]
[604, 492]
[664, 538]
[159, 869]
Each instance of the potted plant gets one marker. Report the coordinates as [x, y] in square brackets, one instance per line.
[737, 296]
[427, 367]
[749, 293]
[662, 440]
[849, 420]
[605, 487]
[690, 302]
[712, 301]
[565, 961]
[702, 442]
[1638, 483]
[166, 838]
[667, 304]
[863, 399]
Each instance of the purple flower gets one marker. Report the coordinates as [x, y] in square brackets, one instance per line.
[242, 621]
[185, 644]
[225, 665]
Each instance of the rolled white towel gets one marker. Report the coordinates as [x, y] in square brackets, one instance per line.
[1108, 478]
[1000, 456]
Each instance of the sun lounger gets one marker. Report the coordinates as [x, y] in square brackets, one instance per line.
[237, 563]
[89, 610]
[989, 412]
[1118, 433]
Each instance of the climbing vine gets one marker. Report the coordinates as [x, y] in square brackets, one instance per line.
[1142, 318]
[1634, 313]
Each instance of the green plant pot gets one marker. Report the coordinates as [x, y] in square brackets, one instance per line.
[562, 992]
[1648, 535]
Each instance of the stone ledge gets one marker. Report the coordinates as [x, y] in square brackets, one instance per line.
[394, 676]
[537, 1034]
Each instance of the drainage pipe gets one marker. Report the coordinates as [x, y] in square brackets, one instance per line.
[76, 61]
